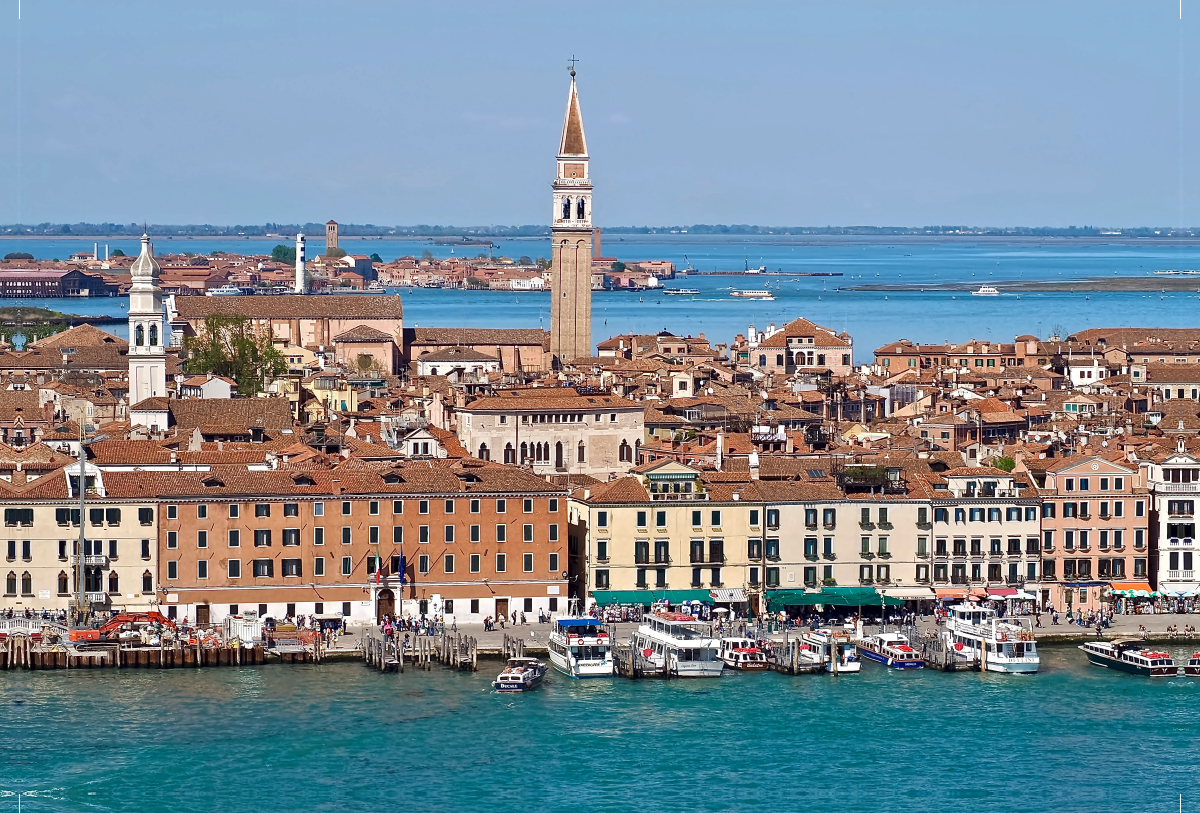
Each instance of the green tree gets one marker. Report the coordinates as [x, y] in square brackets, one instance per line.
[284, 254]
[375, 258]
[18, 255]
[233, 347]
[1004, 463]
[542, 262]
[525, 260]
[117, 253]
[426, 255]
[335, 252]
[618, 267]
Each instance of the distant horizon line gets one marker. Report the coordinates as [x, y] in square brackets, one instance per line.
[284, 231]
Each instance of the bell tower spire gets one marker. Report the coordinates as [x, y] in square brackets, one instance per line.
[147, 358]
[571, 236]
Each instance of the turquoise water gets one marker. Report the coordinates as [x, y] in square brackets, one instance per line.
[341, 737]
[873, 318]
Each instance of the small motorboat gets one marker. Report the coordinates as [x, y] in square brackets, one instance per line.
[520, 675]
[1192, 669]
[741, 653]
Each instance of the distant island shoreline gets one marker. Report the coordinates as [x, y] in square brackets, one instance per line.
[1148, 283]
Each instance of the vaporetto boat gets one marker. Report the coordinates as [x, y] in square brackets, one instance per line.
[678, 645]
[580, 647]
[975, 632]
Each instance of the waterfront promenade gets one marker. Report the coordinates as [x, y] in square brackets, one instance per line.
[535, 635]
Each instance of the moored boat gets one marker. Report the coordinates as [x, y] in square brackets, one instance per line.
[741, 653]
[1127, 655]
[580, 647]
[986, 290]
[834, 650]
[678, 645]
[891, 649]
[1192, 669]
[681, 291]
[225, 290]
[520, 675]
[765, 295]
[1001, 645]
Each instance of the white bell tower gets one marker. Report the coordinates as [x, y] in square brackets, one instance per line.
[147, 358]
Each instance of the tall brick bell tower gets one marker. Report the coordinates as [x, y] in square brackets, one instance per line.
[571, 235]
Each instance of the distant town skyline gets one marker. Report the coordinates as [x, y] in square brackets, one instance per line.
[858, 114]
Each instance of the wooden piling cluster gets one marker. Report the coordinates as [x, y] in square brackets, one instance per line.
[22, 652]
[449, 649]
[460, 651]
[631, 663]
[940, 654]
[785, 659]
[513, 646]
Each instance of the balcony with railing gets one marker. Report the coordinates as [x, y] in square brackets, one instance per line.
[1181, 574]
[93, 560]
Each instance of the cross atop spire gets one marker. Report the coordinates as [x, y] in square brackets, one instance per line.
[571, 67]
[573, 141]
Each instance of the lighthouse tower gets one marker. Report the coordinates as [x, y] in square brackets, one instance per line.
[147, 359]
[571, 241]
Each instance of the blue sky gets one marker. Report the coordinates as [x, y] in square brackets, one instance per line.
[1003, 113]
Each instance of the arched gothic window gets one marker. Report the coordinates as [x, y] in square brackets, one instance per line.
[154, 335]
[580, 455]
[147, 582]
[524, 452]
[624, 452]
[64, 583]
[139, 336]
[483, 452]
[510, 455]
[566, 209]
[114, 583]
[579, 209]
[26, 584]
[10, 584]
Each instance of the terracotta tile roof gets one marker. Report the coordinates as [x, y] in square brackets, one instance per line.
[822, 336]
[975, 471]
[291, 306]
[474, 336]
[548, 398]
[363, 333]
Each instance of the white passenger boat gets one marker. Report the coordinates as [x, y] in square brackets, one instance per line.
[986, 290]
[891, 649]
[1002, 645]
[679, 645]
[520, 675]
[742, 653]
[681, 291]
[835, 651]
[1127, 655]
[225, 290]
[580, 647]
[764, 295]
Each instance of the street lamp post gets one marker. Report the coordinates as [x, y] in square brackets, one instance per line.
[77, 611]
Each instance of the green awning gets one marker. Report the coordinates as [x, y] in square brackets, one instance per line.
[830, 596]
[647, 597]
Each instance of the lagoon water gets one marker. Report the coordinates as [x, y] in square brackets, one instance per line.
[341, 737]
[872, 317]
